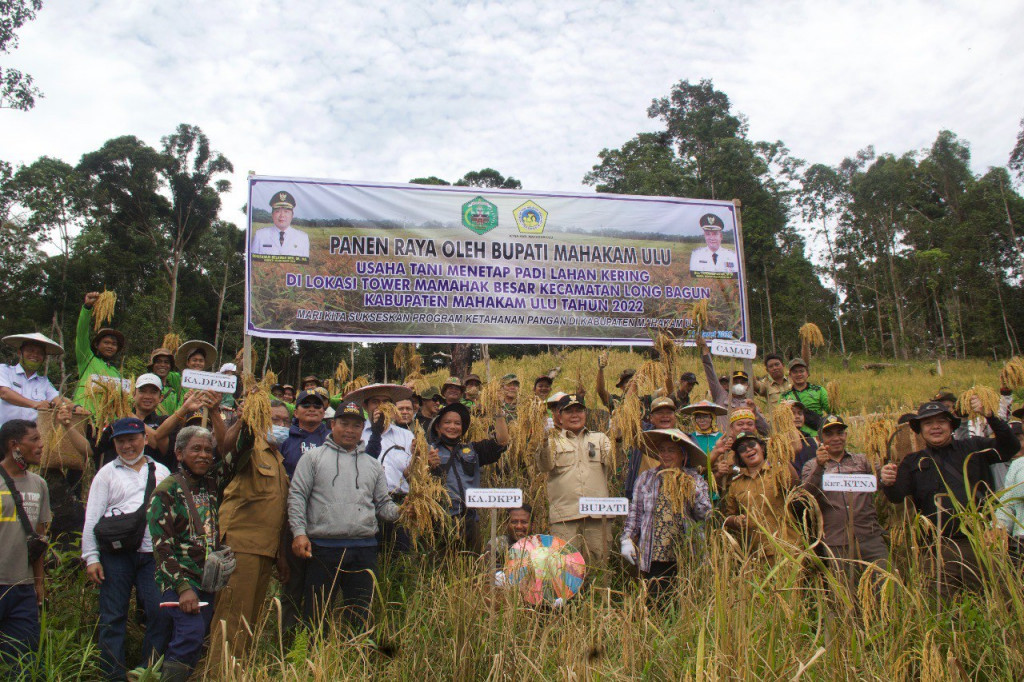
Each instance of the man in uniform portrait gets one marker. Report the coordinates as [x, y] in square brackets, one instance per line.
[282, 239]
[712, 260]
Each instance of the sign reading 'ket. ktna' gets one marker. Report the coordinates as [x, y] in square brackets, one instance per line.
[345, 261]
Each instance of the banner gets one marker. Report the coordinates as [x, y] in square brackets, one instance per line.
[345, 261]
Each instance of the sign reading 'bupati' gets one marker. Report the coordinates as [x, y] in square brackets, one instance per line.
[374, 262]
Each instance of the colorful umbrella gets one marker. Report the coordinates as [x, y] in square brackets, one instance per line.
[545, 568]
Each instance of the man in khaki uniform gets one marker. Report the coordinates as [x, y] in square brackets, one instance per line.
[577, 462]
[252, 515]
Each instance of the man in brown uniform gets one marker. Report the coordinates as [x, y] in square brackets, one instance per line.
[577, 462]
[252, 515]
[851, 529]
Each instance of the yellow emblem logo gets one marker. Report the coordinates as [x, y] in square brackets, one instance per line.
[530, 218]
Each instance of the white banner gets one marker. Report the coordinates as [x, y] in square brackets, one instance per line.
[604, 506]
[209, 381]
[102, 379]
[494, 498]
[733, 349]
[849, 483]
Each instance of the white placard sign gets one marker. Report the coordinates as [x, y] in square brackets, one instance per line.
[849, 483]
[209, 381]
[733, 349]
[494, 498]
[604, 506]
[102, 379]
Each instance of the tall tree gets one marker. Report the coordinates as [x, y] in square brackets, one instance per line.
[17, 90]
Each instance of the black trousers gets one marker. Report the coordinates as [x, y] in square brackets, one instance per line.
[353, 570]
[659, 578]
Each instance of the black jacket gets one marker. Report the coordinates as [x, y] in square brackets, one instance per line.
[926, 473]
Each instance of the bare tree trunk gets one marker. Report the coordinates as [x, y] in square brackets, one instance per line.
[174, 292]
[485, 351]
[942, 326]
[1002, 311]
[58, 335]
[220, 305]
[461, 359]
[960, 326]
[860, 315]
[878, 315]
[266, 358]
[768, 298]
[897, 301]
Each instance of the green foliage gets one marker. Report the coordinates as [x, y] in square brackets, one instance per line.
[17, 90]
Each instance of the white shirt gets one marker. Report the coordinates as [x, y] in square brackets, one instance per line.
[395, 455]
[705, 260]
[116, 487]
[267, 242]
[35, 387]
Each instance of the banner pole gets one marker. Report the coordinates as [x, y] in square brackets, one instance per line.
[748, 365]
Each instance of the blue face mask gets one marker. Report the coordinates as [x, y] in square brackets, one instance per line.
[278, 434]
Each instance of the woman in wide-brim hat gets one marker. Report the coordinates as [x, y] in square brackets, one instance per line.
[669, 503]
[186, 357]
[706, 432]
[458, 462]
[388, 392]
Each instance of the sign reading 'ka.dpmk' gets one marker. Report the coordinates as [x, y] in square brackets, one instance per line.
[209, 381]
[494, 498]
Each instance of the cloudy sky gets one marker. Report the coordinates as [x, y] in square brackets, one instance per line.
[392, 90]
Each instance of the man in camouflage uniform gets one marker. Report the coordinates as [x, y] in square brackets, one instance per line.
[180, 550]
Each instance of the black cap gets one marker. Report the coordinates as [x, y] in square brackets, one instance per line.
[570, 400]
[349, 410]
[746, 435]
[709, 221]
[932, 409]
[832, 421]
[689, 377]
[740, 374]
[306, 395]
[282, 199]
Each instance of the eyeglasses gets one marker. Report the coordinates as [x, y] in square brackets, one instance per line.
[743, 447]
[313, 406]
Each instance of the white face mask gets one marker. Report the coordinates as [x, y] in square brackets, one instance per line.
[739, 390]
[132, 462]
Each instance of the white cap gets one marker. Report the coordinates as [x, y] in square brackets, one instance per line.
[329, 413]
[227, 367]
[555, 398]
[149, 380]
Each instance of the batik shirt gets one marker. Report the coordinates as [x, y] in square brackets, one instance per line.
[179, 551]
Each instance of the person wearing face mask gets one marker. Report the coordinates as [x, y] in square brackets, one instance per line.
[183, 520]
[754, 505]
[946, 465]
[121, 487]
[732, 398]
[21, 578]
[253, 518]
[458, 463]
[338, 492]
[24, 389]
[706, 432]
[96, 356]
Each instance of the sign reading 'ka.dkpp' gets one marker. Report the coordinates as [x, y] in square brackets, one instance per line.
[494, 498]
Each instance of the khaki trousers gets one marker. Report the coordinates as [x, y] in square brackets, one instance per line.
[590, 536]
[240, 606]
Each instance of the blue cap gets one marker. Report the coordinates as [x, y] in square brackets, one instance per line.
[314, 394]
[127, 426]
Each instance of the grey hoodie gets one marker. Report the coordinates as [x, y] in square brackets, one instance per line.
[336, 494]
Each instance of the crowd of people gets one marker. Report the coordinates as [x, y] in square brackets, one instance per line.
[196, 514]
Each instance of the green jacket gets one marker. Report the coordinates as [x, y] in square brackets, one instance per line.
[88, 362]
[814, 398]
[172, 395]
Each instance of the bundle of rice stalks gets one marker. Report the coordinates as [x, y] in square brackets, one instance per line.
[486, 406]
[780, 450]
[680, 488]
[355, 384]
[407, 359]
[627, 425]
[651, 376]
[527, 432]
[59, 451]
[989, 402]
[1012, 374]
[336, 383]
[110, 402]
[666, 347]
[390, 413]
[880, 429]
[240, 359]
[256, 408]
[811, 335]
[700, 313]
[103, 309]
[426, 505]
[171, 341]
[832, 388]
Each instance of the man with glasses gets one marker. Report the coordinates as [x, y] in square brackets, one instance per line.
[430, 403]
[307, 432]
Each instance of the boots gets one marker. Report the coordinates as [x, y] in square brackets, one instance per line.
[175, 672]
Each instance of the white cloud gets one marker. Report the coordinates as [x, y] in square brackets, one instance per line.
[389, 91]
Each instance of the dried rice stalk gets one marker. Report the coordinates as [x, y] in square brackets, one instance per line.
[336, 383]
[426, 505]
[355, 384]
[103, 309]
[390, 414]
[700, 314]
[811, 335]
[666, 346]
[527, 432]
[407, 359]
[626, 424]
[171, 341]
[486, 406]
[110, 402]
[832, 388]
[651, 376]
[1012, 374]
[256, 408]
[680, 488]
[880, 428]
[989, 401]
[780, 452]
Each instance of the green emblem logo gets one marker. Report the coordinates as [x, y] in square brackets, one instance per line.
[530, 218]
[480, 215]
